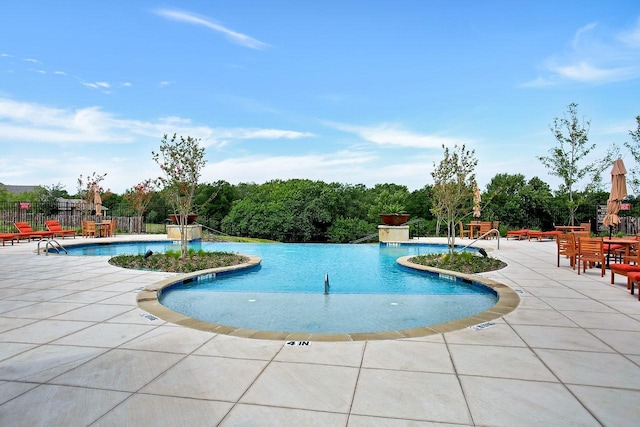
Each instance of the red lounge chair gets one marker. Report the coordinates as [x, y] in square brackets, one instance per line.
[9, 236]
[26, 232]
[57, 229]
[551, 235]
[520, 234]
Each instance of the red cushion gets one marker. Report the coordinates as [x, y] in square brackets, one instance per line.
[625, 268]
[634, 276]
[613, 246]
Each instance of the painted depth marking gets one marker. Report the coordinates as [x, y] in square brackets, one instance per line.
[298, 343]
[482, 326]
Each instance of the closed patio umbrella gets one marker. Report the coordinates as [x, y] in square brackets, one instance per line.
[476, 202]
[618, 192]
[97, 201]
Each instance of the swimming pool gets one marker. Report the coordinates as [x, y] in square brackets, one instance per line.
[369, 291]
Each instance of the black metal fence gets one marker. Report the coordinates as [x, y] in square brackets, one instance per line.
[69, 215]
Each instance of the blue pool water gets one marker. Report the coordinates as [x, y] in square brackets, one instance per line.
[369, 291]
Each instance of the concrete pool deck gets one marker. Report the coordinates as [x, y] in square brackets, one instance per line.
[76, 350]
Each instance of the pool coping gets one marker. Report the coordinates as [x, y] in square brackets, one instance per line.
[148, 301]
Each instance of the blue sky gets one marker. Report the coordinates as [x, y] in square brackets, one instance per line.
[340, 91]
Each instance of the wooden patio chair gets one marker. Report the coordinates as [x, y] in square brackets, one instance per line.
[485, 227]
[88, 228]
[114, 225]
[57, 229]
[586, 226]
[464, 231]
[566, 247]
[591, 251]
[105, 228]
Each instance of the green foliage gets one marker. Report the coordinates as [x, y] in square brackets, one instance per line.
[345, 230]
[181, 161]
[293, 211]
[387, 199]
[568, 159]
[454, 183]
[517, 203]
[634, 148]
[139, 198]
[87, 187]
[214, 202]
[463, 262]
[173, 261]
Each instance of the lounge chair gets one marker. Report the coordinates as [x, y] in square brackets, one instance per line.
[519, 234]
[57, 229]
[551, 235]
[26, 232]
[9, 236]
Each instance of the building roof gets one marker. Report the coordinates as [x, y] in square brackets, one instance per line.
[17, 189]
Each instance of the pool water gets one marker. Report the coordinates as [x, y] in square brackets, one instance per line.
[369, 291]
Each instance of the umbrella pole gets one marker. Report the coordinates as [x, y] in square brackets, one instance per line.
[609, 245]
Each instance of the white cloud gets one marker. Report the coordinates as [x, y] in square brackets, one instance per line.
[595, 55]
[23, 121]
[235, 37]
[585, 72]
[97, 85]
[393, 134]
[631, 37]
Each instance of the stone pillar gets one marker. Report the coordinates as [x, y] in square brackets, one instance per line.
[393, 233]
[193, 232]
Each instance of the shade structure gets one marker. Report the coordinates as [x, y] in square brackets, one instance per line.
[618, 192]
[476, 202]
[97, 201]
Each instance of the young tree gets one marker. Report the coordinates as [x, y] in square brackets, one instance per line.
[139, 197]
[87, 188]
[566, 160]
[181, 161]
[454, 180]
[634, 147]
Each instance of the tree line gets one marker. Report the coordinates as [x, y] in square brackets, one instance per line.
[301, 210]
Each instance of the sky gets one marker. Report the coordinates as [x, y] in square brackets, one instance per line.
[355, 92]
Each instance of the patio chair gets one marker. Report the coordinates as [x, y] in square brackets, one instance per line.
[586, 226]
[26, 232]
[566, 247]
[57, 229]
[485, 227]
[579, 234]
[105, 228]
[590, 251]
[114, 225]
[88, 228]
[464, 231]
